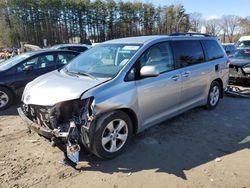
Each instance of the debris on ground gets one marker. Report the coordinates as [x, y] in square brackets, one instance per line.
[218, 159]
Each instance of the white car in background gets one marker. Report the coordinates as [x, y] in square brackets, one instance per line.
[243, 42]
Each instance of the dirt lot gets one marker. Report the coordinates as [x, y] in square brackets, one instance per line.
[197, 149]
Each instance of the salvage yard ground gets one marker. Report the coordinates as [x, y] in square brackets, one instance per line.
[199, 148]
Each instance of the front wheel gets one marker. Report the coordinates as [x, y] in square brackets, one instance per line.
[213, 95]
[6, 98]
[113, 134]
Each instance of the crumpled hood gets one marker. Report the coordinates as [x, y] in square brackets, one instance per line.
[239, 62]
[55, 87]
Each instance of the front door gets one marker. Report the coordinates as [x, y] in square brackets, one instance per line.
[158, 97]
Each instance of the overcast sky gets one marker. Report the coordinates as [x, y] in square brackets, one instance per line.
[211, 8]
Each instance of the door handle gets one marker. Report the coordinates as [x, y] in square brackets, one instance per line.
[186, 74]
[175, 77]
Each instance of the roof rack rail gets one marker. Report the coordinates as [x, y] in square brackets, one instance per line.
[190, 34]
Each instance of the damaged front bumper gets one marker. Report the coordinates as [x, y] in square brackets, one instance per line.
[71, 133]
[238, 91]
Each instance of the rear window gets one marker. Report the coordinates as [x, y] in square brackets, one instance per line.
[213, 50]
[188, 52]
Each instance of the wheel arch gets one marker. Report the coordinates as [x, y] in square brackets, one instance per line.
[10, 89]
[221, 86]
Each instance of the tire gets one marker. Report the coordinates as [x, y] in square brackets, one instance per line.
[112, 135]
[213, 95]
[6, 98]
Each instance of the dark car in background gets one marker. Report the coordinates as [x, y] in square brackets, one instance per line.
[73, 47]
[16, 72]
[230, 48]
[239, 68]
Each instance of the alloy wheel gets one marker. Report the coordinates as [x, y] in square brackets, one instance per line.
[214, 95]
[115, 135]
[4, 99]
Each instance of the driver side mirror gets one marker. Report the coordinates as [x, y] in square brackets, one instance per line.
[27, 68]
[149, 71]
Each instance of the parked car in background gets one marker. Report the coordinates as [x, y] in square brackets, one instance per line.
[239, 69]
[123, 86]
[73, 47]
[16, 72]
[230, 48]
[243, 42]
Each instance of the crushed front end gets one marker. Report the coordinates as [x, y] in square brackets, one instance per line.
[67, 122]
[239, 75]
[239, 80]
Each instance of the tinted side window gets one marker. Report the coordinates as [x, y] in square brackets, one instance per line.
[213, 49]
[39, 62]
[188, 52]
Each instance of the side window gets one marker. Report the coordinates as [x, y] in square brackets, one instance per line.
[213, 49]
[188, 52]
[160, 56]
[38, 62]
[64, 57]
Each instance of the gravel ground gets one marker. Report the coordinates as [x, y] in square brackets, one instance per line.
[199, 148]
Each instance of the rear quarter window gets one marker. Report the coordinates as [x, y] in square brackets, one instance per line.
[213, 50]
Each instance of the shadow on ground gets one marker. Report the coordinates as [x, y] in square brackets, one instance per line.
[11, 111]
[184, 142]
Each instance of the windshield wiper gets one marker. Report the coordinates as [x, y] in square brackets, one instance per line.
[80, 73]
[87, 74]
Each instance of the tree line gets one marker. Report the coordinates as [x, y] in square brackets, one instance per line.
[228, 28]
[58, 21]
[98, 20]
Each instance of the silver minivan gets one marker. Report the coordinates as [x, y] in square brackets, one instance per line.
[123, 86]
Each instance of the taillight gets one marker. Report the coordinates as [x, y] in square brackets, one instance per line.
[228, 62]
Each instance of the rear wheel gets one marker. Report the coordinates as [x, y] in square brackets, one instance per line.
[213, 95]
[6, 98]
[113, 135]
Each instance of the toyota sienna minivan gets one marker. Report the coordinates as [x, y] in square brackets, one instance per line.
[123, 86]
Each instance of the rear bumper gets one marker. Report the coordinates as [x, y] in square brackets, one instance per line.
[33, 126]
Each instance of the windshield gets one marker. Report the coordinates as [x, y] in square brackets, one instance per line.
[12, 61]
[242, 54]
[245, 43]
[104, 60]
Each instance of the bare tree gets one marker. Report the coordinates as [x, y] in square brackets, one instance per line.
[230, 24]
[195, 21]
[244, 24]
[213, 26]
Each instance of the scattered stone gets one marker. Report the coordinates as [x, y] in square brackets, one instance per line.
[61, 175]
[218, 159]
[211, 179]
